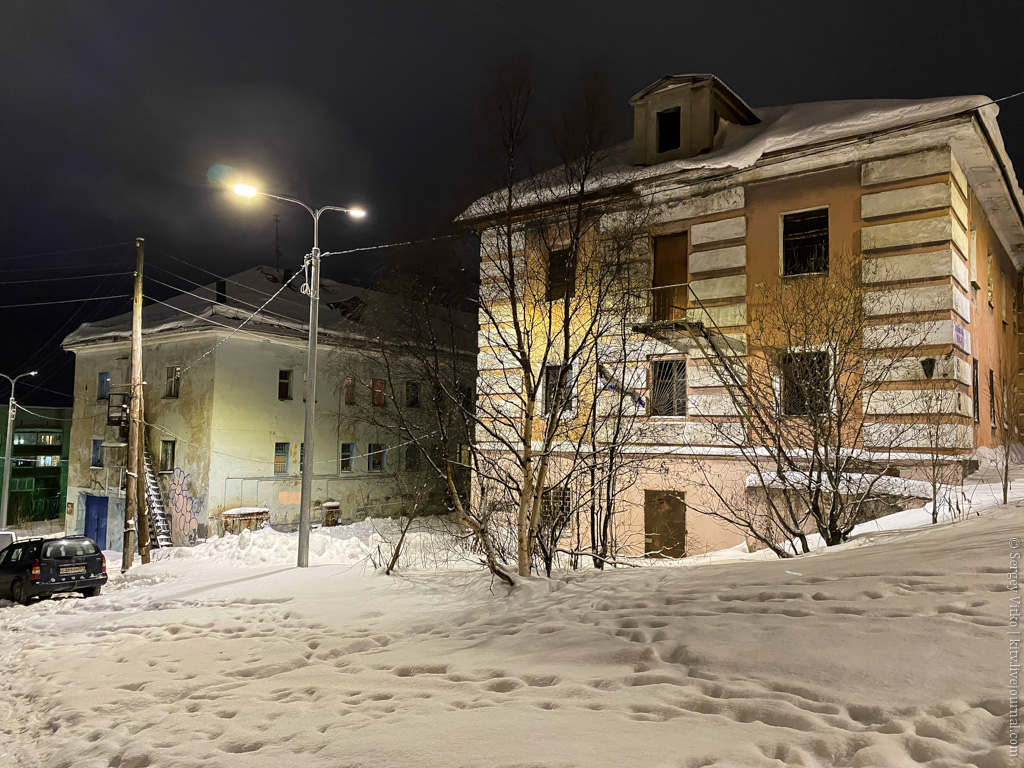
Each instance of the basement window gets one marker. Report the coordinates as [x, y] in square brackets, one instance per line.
[805, 242]
[284, 385]
[805, 385]
[668, 388]
[166, 455]
[561, 275]
[669, 129]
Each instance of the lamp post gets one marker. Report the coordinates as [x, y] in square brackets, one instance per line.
[11, 411]
[312, 265]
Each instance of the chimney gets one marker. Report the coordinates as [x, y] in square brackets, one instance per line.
[222, 291]
[286, 275]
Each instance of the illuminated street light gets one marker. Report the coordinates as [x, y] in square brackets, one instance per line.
[312, 262]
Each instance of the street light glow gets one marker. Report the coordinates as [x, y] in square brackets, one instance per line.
[356, 213]
[245, 190]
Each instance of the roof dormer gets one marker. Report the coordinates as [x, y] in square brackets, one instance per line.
[678, 117]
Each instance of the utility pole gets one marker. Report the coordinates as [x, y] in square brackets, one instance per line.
[142, 519]
[12, 410]
[131, 492]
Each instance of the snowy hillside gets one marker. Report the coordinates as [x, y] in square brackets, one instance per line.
[891, 650]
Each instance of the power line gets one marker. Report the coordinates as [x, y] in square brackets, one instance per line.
[21, 407]
[203, 298]
[62, 253]
[62, 270]
[65, 301]
[67, 277]
[218, 324]
[393, 245]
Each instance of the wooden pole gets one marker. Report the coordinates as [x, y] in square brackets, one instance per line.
[140, 481]
[131, 494]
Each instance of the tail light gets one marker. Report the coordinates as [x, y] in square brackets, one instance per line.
[34, 573]
[103, 559]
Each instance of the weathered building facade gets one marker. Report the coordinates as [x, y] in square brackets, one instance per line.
[917, 198]
[224, 411]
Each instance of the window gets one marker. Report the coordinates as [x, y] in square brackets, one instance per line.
[668, 388]
[412, 394]
[805, 383]
[47, 461]
[561, 275]
[97, 452]
[348, 450]
[555, 504]
[805, 242]
[166, 455]
[465, 455]
[302, 456]
[553, 374]
[972, 257]
[670, 292]
[376, 456]
[284, 385]
[377, 385]
[103, 385]
[412, 458]
[173, 381]
[23, 484]
[49, 438]
[669, 129]
[281, 458]
[991, 283]
[350, 390]
[992, 397]
[976, 392]
[25, 438]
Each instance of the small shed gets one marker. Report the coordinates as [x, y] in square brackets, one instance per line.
[243, 518]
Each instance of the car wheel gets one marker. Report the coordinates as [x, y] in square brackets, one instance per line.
[18, 593]
[90, 591]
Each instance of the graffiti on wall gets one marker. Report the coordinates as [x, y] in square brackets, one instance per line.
[185, 508]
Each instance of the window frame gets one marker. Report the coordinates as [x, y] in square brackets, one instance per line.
[378, 392]
[284, 376]
[346, 460]
[282, 453]
[102, 385]
[568, 406]
[782, 241]
[659, 145]
[652, 395]
[172, 381]
[164, 468]
[376, 453]
[97, 450]
[566, 289]
[412, 394]
[828, 395]
[349, 390]
[412, 458]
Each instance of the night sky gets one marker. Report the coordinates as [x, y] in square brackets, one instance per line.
[113, 113]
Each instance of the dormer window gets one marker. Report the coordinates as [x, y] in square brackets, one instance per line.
[669, 129]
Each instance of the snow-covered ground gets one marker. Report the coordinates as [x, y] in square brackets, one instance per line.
[891, 650]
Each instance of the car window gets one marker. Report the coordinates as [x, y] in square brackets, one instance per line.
[16, 555]
[65, 548]
[4, 555]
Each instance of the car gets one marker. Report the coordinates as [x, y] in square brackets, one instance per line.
[45, 567]
[6, 539]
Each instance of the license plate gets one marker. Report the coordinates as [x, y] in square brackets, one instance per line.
[72, 569]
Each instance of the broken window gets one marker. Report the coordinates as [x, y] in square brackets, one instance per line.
[805, 242]
[561, 275]
[668, 388]
[280, 458]
[805, 383]
[166, 455]
[97, 453]
[558, 387]
[412, 394]
[376, 457]
[173, 381]
[103, 385]
[348, 451]
[284, 385]
[669, 129]
[377, 385]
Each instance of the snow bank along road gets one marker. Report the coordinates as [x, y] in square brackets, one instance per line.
[893, 654]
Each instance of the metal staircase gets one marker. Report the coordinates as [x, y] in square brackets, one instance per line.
[159, 520]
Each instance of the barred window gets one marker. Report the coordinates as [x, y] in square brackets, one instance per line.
[805, 383]
[280, 458]
[668, 388]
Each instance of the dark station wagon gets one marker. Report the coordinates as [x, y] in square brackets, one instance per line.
[44, 567]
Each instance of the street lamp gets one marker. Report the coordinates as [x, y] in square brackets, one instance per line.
[312, 261]
[12, 410]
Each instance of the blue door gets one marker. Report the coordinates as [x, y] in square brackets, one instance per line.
[96, 519]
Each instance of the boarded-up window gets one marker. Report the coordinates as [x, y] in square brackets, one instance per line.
[665, 523]
[280, 458]
[669, 129]
[805, 383]
[668, 388]
[561, 275]
[805, 242]
[377, 385]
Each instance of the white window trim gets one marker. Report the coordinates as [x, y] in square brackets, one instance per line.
[650, 387]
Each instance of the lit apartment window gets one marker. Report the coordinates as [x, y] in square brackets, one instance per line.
[805, 242]
[350, 390]
[48, 461]
[25, 438]
[97, 453]
[103, 385]
[669, 129]
[668, 388]
[412, 458]
[377, 385]
[552, 377]
[805, 383]
[49, 438]
[281, 458]
[284, 385]
[348, 451]
[561, 275]
[173, 381]
[376, 457]
[166, 455]
[412, 394]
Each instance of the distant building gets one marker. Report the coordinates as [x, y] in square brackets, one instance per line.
[39, 473]
[224, 410]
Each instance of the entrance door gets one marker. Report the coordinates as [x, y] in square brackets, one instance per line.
[670, 292]
[665, 523]
[96, 519]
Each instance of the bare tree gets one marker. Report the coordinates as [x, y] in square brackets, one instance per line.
[1006, 409]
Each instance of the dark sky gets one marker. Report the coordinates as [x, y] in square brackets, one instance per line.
[112, 113]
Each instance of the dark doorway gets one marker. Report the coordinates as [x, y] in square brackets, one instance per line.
[665, 523]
